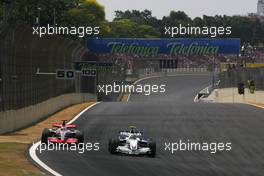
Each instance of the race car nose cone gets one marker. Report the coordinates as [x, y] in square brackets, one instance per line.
[133, 144]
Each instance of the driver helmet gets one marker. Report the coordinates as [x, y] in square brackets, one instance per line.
[133, 131]
[63, 123]
[133, 137]
[63, 128]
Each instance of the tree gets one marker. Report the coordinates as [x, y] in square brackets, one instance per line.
[144, 24]
[126, 28]
[123, 28]
[176, 18]
[147, 31]
[66, 12]
[87, 13]
[198, 22]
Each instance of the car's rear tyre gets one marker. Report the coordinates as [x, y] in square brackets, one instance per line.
[80, 136]
[112, 145]
[45, 135]
[152, 146]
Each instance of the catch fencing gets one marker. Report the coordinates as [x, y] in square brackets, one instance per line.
[21, 55]
[232, 77]
[29, 90]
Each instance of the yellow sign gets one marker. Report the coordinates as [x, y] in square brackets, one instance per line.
[225, 66]
[254, 65]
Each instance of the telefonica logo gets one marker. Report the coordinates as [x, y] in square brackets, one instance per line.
[174, 48]
[133, 48]
[192, 49]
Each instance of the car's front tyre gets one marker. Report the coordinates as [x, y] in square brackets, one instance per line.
[80, 136]
[152, 146]
[112, 145]
[45, 135]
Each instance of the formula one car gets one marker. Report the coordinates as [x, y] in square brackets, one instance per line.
[132, 142]
[62, 133]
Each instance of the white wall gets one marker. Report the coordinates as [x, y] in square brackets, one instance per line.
[16, 119]
[230, 95]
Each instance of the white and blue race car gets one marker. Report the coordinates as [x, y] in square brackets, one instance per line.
[132, 142]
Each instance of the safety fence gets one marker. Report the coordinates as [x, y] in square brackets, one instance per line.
[21, 55]
[29, 90]
[28, 64]
[232, 77]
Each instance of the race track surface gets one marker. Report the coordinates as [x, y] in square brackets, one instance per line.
[169, 117]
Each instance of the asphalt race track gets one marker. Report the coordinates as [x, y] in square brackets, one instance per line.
[169, 117]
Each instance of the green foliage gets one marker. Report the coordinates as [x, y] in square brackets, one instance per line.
[127, 28]
[134, 23]
[176, 18]
[249, 29]
[123, 28]
[130, 24]
[140, 17]
[67, 12]
[93, 7]
[146, 31]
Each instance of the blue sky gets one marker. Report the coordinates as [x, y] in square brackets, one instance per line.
[193, 8]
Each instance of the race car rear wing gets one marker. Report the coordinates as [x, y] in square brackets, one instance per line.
[57, 125]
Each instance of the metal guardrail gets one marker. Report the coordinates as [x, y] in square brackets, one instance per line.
[188, 69]
[204, 93]
[149, 71]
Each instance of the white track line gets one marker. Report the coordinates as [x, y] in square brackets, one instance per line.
[252, 104]
[149, 77]
[33, 155]
[33, 148]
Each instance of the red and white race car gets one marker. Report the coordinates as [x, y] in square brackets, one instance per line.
[62, 133]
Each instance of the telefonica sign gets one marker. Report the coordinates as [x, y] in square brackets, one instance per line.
[152, 47]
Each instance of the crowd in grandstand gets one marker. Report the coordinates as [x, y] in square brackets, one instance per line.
[256, 55]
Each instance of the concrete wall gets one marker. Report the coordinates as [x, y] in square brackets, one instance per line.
[230, 95]
[16, 119]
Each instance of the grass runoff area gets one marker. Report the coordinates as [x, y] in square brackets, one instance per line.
[13, 160]
[14, 146]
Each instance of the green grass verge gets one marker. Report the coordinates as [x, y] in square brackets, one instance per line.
[13, 161]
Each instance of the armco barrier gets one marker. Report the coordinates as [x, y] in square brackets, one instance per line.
[16, 119]
[171, 72]
[150, 71]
